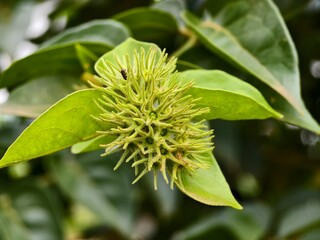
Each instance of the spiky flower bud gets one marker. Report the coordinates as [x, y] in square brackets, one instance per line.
[153, 117]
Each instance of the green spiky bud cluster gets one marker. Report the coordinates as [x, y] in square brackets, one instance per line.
[153, 117]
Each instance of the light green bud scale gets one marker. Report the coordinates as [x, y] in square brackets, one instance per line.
[152, 115]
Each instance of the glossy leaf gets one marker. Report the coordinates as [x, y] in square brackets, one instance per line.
[58, 56]
[207, 185]
[228, 97]
[291, 115]
[24, 102]
[91, 181]
[200, 56]
[149, 24]
[67, 122]
[51, 61]
[106, 32]
[253, 36]
[173, 7]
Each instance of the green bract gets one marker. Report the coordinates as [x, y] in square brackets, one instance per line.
[152, 115]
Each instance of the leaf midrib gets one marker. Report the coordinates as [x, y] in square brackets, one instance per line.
[276, 84]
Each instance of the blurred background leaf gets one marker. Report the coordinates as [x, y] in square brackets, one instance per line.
[300, 219]
[49, 90]
[150, 25]
[91, 181]
[249, 224]
[29, 211]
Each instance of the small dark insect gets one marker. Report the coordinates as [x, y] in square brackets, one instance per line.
[124, 74]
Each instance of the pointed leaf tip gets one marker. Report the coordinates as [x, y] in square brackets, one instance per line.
[208, 185]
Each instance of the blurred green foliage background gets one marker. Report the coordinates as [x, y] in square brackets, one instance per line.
[272, 168]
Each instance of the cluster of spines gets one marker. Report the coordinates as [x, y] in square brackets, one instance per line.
[152, 116]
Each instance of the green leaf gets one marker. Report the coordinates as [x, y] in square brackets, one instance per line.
[58, 56]
[174, 8]
[300, 219]
[51, 61]
[228, 97]
[253, 36]
[31, 212]
[200, 56]
[207, 185]
[66, 123]
[149, 24]
[291, 115]
[24, 102]
[92, 144]
[185, 65]
[90, 180]
[126, 48]
[86, 58]
[106, 32]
